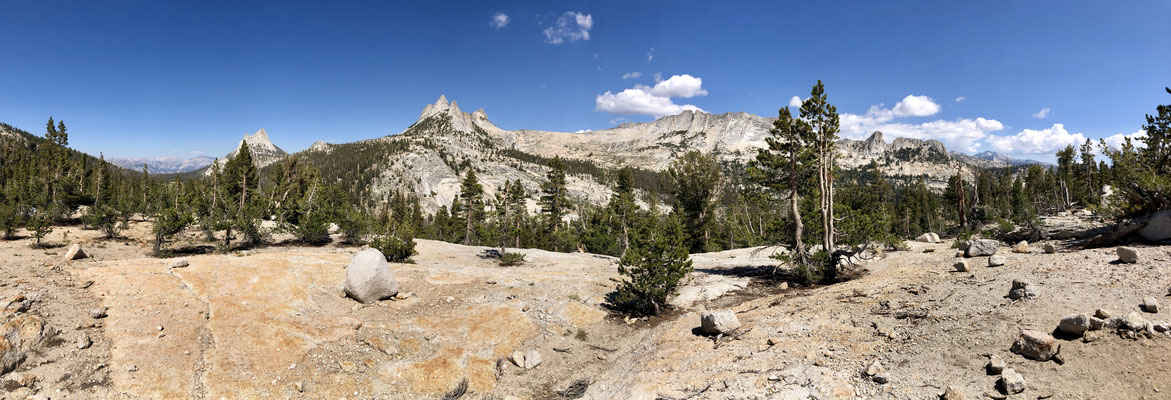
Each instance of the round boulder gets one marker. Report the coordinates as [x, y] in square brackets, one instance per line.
[717, 322]
[983, 247]
[368, 277]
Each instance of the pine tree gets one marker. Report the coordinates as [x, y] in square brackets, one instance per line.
[471, 194]
[652, 269]
[240, 186]
[697, 180]
[823, 120]
[555, 200]
[784, 166]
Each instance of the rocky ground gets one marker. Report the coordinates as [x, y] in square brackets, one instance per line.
[274, 322]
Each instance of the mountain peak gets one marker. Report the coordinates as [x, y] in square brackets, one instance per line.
[258, 141]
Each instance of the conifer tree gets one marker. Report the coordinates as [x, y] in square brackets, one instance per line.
[240, 186]
[697, 180]
[784, 166]
[652, 269]
[823, 120]
[471, 194]
[555, 200]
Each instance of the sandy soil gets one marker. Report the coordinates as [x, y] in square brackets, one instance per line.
[273, 323]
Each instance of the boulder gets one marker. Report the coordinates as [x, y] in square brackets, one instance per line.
[1131, 322]
[1021, 290]
[1097, 323]
[1035, 345]
[368, 277]
[929, 237]
[996, 365]
[1150, 304]
[982, 247]
[1158, 228]
[1011, 382]
[98, 313]
[1075, 325]
[180, 263]
[532, 359]
[962, 266]
[1127, 255]
[517, 359]
[1049, 248]
[719, 322]
[996, 260]
[75, 253]
[1021, 247]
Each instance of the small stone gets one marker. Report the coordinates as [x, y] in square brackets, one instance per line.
[1127, 255]
[1096, 323]
[774, 378]
[783, 286]
[959, 254]
[75, 253]
[875, 368]
[996, 260]
[532, 359]
[717, 322]
[518, 359]
[962, 266]
[83, 342]
[773, 341]
[299, 386]
[1035, 345]
[1049, 248]
[179, 263]
[1135, 322]
[1021, 290]
[1150, 304]
[1090, 337]
[1022, 247]
[1059, 359]
[98, 313]
[132, 368]
[160, 327]
[982, 247]
[1076, 324]
[1011, 382]
[951, 394]
[448, 299]
[880, 378]
[1162, 327]
[1102, 313]
[996, 365]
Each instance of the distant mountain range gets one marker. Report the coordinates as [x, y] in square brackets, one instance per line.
[163, 165]
[991, 159]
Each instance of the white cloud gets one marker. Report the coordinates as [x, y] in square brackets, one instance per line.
[584, 130]
[571, 26]
[650, 55]
[961, 134]
[795, 101]
[1116, 141]
[1042, 114]
[961, 98]
[654, 101]
[1030, 141]
[658, 77]
[500, 20]
[631, 75]
[916, 106]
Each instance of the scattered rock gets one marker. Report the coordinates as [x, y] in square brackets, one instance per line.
[715, 322]
[1021, 247]
[928, 237]
[1127, 255]
[773, 341]
[983, 247]
[959, 254]
[875, 368]
[1075, 325]
[1102, 313]
[131, 368]
[532, 359]
[1049, 248]
[996, 365]
[996, 260]
[518, 359]
[1021, 290]
[1090, 337]
[962, 266]
[98, 313]
[19, 336]
[83, 342]
[1131, 322]
[75, 253]
[951, 394]
[1011, 382]
[1150, 304]
[1097, 323]
[880, 379]
[180, 263]
[368, 277]
[1162, 327]
[1035, 345]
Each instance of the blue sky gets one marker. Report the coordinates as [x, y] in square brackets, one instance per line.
[160, 78]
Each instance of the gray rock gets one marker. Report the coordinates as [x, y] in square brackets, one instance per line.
[517, 359]
[1127, 255]
[983, 247]
[996, 260]
[716, 322]
[1076, 324]
[1162, 327]
[962, 266]
[1021, 290]
[996, 364]
[368, 277]
[1102, 313]
[83, 342]
[875, 368]
[180, 263]
[532, 359]
[929, 237]
[1131, 322]
[1097, 323]
[1035, 345]
[1011, 382]
[98, 313]
[75, 253]
[1150, 304]
[1049, 248]
[1158, 228]
[880, 379]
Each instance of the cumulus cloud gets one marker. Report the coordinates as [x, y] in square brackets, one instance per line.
[1030, 141]
[1116, 141]
[1042, 114]
[961, 98]
[960, 134]
[499, 20]
[631, 75]
[654, 101]
[795, 101]
[916, 106]
[571, 26]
